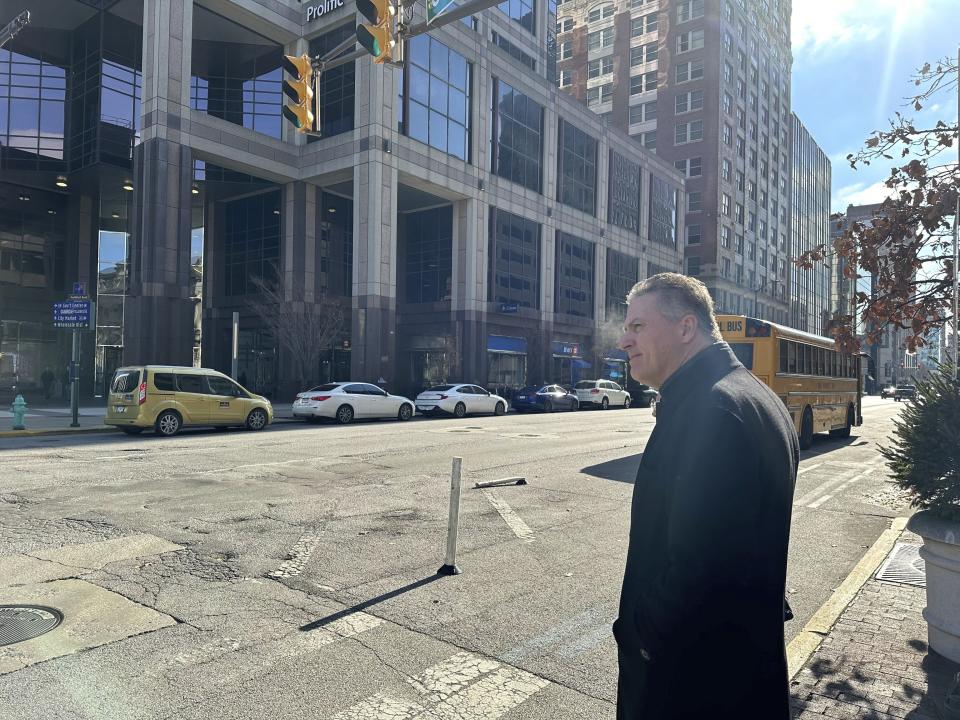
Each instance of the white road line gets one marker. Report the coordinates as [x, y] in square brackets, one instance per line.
[299, 556]
[818, 503]
[829, 485]
[587, 642]
[490, 698]
[380, 707]
[802, 470]
[317, 460]
[577, 626]
[519, 527]
[445, 679]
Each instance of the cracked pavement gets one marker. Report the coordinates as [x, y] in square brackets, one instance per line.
[303, 581]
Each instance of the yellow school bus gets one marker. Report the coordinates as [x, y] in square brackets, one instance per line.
[819, 385]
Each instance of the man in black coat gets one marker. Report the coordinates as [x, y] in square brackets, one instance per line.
[700, 630]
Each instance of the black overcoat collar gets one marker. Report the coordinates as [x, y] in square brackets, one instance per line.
[703, 369]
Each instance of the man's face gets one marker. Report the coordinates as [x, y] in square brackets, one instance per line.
[652, 342]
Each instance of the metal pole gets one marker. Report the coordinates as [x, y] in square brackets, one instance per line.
[453, 521]
[235, 348]
[75, 380]
[956, 231]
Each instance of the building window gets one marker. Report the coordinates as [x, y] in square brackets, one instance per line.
[513, 51]
[437, 92]
[687, 41]
[741, 179]
[727, 73]
[647, 82]
[738, 213]
[602, 12]
[685, 72]
[727, 104]
[693, 234]
[564, 25]
[663, 212]
[725, 203]
[725, 169]
[726, 268]
[566, 49]
[725, 242]
[693, 266]
[599, 94]
[600, 39]
[597, 68]
[238, 81]
[643, 54]
[335, 86]
[623, 208]
[690, 167]
[577, 186]
[650, 140]
[251, 242]
[33, 115]
[622, 275]
[689, 10]
[514, 260]
[566, 78]
[523, 12]
[575, 273]
[688, 132]
[693, 201]
[643, 25]
[727, 134]
[517, 137]
[689, 102]
[739, 247]
[644, 112]
[429, 255]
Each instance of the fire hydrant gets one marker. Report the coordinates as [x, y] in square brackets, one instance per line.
[19, 409]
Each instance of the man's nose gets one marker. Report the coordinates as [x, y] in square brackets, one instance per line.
[624, 342]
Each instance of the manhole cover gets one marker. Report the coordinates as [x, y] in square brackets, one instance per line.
[22, 622]
[904, 565]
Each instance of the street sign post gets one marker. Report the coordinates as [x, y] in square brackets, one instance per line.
[75, 315]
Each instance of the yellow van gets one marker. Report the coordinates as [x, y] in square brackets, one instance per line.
[166, 398]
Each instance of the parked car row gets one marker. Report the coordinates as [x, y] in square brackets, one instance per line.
[345, 401]
[167, 399]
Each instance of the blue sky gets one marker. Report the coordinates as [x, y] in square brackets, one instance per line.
[852, 66]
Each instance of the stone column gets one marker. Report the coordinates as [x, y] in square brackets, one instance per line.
[158, 317]
[470, 286]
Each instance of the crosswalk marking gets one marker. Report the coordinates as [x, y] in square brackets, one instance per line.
[515, 523]
[462, 687]
[452, 675]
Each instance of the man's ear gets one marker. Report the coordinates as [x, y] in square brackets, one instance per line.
[688, 328]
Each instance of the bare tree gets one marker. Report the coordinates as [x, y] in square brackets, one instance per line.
[305, 330]
[906, 247]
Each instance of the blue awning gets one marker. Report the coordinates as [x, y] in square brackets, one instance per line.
[502, 343]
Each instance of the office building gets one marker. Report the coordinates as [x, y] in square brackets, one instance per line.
[706, 85]
[473, 222]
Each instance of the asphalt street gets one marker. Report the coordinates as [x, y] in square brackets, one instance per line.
[292, 572]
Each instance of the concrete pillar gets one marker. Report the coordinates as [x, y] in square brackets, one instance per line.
[470, 286]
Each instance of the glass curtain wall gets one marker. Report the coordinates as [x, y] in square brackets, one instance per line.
[238, 80]
[514, 260]
[517, 137]
[575, 273]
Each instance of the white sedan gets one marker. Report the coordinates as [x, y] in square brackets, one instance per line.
[345, 401]
[459, 400]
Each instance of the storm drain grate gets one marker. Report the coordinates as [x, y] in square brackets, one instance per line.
[904, 565]
[23, 622]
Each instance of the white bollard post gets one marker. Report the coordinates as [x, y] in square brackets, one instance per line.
[453, 521]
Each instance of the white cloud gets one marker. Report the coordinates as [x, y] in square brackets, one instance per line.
[860, 194]
[819, 26]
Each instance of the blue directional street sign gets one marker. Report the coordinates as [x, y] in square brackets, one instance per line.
[71, 314]
[435, 8]
[79, 288]
[509, 307]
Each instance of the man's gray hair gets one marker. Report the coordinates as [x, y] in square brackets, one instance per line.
[681, 295]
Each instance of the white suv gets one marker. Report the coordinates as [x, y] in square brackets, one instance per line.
[604, 393]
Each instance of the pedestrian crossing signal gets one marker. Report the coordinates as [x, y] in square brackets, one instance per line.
[299, 88]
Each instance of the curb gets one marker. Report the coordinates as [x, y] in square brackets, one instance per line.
[802, 647]
[90, 430]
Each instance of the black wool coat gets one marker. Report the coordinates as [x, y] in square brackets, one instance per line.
[700, 629]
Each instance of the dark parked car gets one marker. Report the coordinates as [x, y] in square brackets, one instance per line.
[545, 398]
[643, 395]
[905, 392]
[887, 392]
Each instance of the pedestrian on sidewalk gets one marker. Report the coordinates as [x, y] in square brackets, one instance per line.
[700, 627]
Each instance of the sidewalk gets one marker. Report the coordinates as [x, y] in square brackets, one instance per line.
[875, 663]
[56, 420]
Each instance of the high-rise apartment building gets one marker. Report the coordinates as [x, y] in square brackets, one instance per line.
[707, 86]
[809, 227]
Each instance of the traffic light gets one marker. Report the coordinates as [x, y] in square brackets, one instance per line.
[379, 38]
[300, 90]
